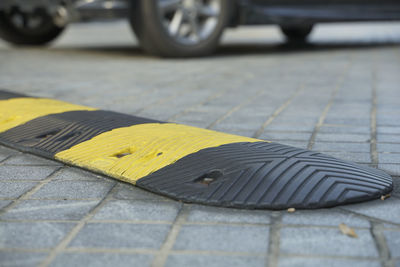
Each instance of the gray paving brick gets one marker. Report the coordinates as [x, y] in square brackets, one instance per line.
[15, 189]
[389, 138]
[387, 210]
[393, 169]
[73, 190]
[210, 214]
[389, 129]
[116, 235]
[213, 261]
[21, 259]
[25, 173]
[4, 203]
[25, 159]
[344, 129]
[389, 158]
[299, 262]
[383, 147]
[223, 238]
[128, 191]
[134, 210]
[312, 241]
[323, 217]
[340, 146]
[49, 210]
[32, 235]
[393, 241]
[341, 137]
[69, 173]
[101, 259]
[350, 156]
[286, 136]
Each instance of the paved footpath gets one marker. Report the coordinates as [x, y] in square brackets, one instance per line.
[340, 96]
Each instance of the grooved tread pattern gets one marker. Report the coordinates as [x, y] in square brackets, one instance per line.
[53, 133]
[267, 175]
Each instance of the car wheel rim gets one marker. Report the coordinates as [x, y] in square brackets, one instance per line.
[189, 21]
[27, 23]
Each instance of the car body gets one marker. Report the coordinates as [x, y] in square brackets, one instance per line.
[183, 28]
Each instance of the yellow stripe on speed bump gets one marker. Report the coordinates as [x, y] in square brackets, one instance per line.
[17, 111]
[134, 152]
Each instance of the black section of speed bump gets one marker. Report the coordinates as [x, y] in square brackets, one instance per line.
[4, 95]
[266, 175]
[50, 134]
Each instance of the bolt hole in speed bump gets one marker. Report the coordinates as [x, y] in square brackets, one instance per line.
[183, 162]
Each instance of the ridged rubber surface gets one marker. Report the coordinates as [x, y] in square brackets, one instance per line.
[267, 175]
[50, 134]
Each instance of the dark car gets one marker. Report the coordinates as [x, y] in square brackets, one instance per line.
[184, 28]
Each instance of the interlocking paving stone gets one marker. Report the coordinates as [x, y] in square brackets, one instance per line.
[49, 210]
[26, 172]
[294, 262]
[389, 158]
[118, 235]
[21, 259]
[324, 217]
[356, 157]
[101, 259]
[127, 191]
[70, 173]
[390, 168]
[74, 190]
[350, 147]
[32, 235]
[4, 203]
[387, 210]
[30, 160]
[15, 189]
[213, 261]
[223, 238]
[313, 241]
[138, 211]
[212, 214]
[393, 241]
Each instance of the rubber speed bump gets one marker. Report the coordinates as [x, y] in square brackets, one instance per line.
[183, 162]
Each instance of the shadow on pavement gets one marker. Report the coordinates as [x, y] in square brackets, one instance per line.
[240, 49]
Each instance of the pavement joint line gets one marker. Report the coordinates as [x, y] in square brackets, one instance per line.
[235, 109]
[169, 242]
[278, 111]
[321, 256]
[373, 139]
[328, 106]
[81, 250]
[381, 245]
[274, 241]
[71, 235]
[5, 159]
[30, 192]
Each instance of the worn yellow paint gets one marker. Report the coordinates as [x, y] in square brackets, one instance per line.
[17, 111]
[131, 153]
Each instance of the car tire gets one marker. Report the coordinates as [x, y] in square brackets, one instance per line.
[41, 34]
[296, 33]
[152, 25]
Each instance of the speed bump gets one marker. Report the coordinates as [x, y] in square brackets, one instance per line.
[183, 162]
